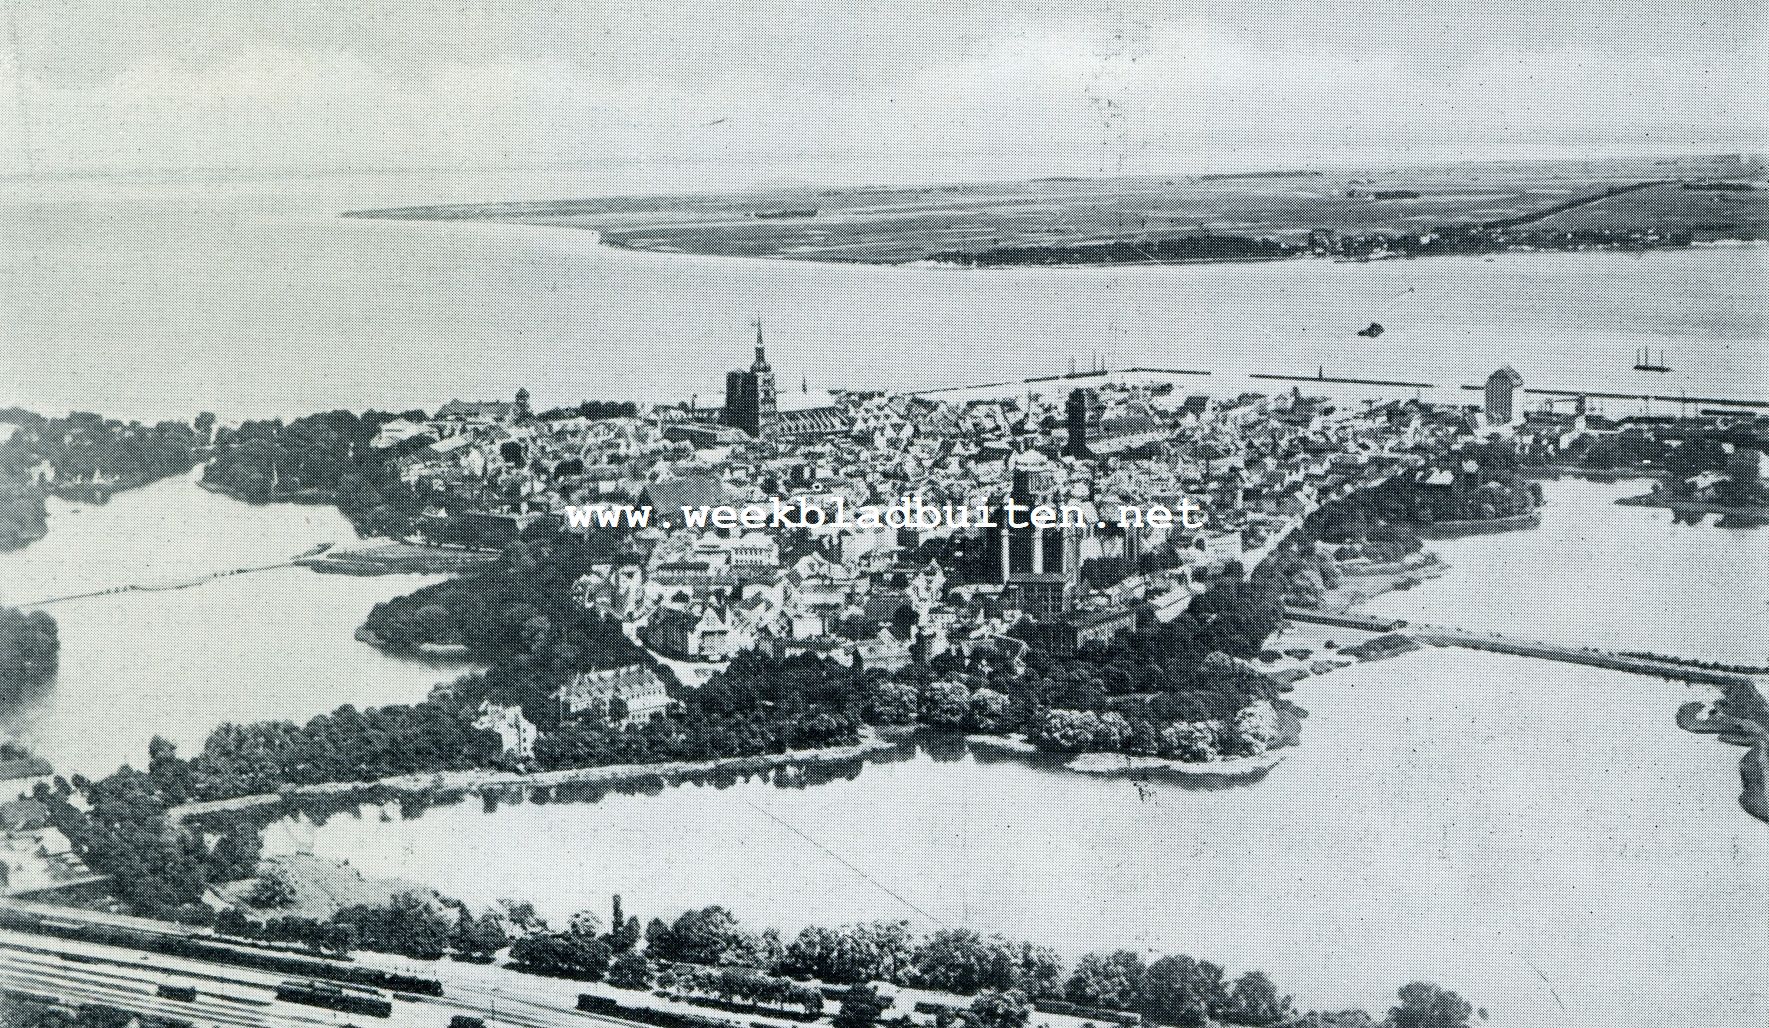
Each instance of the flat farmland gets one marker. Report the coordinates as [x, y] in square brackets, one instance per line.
[1714, 198]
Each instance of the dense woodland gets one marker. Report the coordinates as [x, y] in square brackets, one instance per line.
[318, 457]
[82, 447]
[40, 456]
[1495, 488]
[24, 517]
[29, 650]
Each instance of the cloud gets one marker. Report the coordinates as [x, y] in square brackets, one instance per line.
[923, 89]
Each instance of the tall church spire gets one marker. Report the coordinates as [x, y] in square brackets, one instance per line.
[761, 363]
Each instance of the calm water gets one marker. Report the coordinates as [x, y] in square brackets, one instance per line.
[1517, 829]
[1619, 578]
[274, 644]
[1520, 830]
[158, 298]
[1452, 816]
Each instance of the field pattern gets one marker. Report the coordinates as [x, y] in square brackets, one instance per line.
[1702, 198]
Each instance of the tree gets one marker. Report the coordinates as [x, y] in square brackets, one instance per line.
[1000, 1009]
[708, 936]
[273, 889]
[895, 703]
[630, 971]
[1111, 980]
[564, 954]
[521, 917]
[1424, 1005]
[988, 710]
[235, 854]
[882, 951]
[945, 704]
[479, 938]
[1254, 1000]
[1176, 985]
[409, 925]
[623, 932]
[29, 648]
[959, 960]
[860, 1008]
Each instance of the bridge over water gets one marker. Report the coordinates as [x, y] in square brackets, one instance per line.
[1494, 642]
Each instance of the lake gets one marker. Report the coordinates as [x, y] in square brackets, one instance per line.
[267, 645]
[1539, 836]
[250, 296]
[1634, 580]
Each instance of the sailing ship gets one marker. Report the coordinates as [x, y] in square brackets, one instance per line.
[1643, 361]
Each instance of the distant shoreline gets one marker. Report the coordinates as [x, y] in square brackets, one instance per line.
[1353, 215]
[934, 261]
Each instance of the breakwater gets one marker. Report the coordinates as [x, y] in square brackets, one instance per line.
[1343, 380]
[1361, 622]
[1657, 397]
[1046, 379]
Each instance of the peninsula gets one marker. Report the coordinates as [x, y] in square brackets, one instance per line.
[1348, 214]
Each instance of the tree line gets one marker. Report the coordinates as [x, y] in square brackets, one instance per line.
[30, 650]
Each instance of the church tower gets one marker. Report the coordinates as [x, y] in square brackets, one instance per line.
[750, 401]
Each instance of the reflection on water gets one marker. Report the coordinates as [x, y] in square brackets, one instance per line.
[1451, 815]
[1597, 573]
[1531, 833]
[269, 645]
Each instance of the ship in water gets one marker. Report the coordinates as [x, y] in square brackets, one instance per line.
[1643, 361]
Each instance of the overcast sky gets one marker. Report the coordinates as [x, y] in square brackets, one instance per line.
[868, 89]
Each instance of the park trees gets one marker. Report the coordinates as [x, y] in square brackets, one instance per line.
[881, 951]
[999, 1009]
[860, 1007]
[1424, 1005]
[1112, 980]
[630, 971]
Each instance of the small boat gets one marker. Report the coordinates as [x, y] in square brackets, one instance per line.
[1373, 331]
[1643, 361]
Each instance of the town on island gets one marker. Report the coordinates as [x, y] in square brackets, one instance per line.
[609, 653]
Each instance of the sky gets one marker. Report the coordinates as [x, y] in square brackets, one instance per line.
[866, 90]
